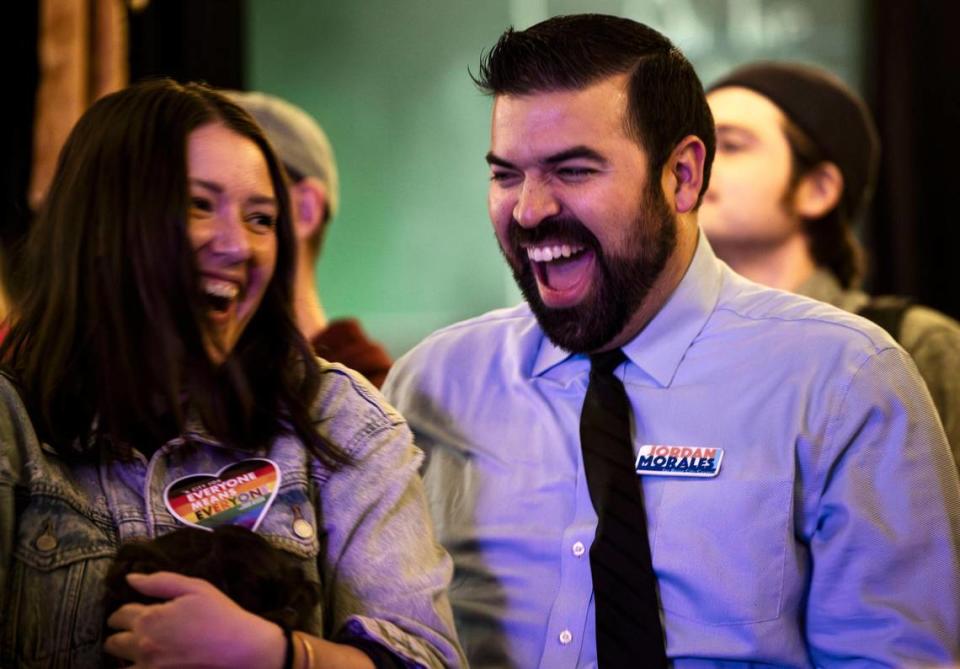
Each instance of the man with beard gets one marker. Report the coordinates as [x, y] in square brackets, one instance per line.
[654, 459]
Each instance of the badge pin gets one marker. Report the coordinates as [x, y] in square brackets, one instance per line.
[239, 494]
[663, 460]
[301, 527]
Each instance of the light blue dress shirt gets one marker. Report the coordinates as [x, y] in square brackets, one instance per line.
[830, 536]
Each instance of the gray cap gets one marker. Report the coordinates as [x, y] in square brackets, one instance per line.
[297, 138]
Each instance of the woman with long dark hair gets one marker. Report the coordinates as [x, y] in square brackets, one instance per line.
[154, 378]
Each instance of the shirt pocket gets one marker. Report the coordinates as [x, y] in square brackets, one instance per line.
[720, 549]
[55, 612]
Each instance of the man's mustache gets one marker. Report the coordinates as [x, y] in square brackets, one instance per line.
[559, 229]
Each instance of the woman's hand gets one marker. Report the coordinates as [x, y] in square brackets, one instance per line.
[198, 626]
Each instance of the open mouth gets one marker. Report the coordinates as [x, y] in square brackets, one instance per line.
[563, 272]
[219, 294]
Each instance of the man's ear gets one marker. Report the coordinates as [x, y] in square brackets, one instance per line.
[819, 191]
[683, 173]
[308, 198]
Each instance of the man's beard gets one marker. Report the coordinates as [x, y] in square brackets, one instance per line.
[624, 282]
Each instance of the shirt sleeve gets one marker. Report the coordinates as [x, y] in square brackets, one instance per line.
[384, 572]
[884, 536]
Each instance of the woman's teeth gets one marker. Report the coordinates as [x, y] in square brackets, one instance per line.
[222, 289]
[220, 293]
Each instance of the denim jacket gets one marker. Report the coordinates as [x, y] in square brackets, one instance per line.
[372, 549]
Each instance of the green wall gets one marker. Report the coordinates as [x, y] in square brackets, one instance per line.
[412, 248]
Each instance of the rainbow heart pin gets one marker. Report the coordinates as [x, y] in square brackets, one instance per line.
[239, 494]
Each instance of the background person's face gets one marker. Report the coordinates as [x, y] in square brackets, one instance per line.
[569, 199]
[232, 229]
[747, 204]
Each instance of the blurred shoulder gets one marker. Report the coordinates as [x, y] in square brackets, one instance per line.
[801, 321]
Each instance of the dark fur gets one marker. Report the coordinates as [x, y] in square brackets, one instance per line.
[243, 565]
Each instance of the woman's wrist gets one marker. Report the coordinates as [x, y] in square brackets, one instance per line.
[310, 652]
[302, 652]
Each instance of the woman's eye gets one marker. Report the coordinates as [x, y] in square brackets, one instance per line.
[263, 221]
[201, 203]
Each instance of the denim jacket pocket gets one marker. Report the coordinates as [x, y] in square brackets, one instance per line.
[291, 521]
[291, 524]
[723, 563]
[62, 555]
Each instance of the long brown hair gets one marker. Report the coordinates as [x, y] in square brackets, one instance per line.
[106, 344]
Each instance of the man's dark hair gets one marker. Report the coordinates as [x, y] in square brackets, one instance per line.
[666, 99]
[107, 338]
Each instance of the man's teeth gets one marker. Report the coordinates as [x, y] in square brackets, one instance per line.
[224, 289]
[548, 253]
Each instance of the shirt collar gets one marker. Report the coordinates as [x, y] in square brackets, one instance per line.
[660, 347]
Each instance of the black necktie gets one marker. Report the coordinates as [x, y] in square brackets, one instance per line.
[629, 633]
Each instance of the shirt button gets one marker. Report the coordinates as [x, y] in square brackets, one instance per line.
[566, 636]
[579, 549]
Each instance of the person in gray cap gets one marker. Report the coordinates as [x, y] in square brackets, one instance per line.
[795, 170]
[315, 198]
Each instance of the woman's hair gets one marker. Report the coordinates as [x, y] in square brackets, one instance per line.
[107, 339]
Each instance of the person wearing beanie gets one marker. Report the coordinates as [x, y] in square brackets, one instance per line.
[795, 171]
[308, 157]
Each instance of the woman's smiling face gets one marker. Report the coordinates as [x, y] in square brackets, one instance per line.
[232, 229]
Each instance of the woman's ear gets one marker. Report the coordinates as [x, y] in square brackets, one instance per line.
[819, 191]
[683, 173]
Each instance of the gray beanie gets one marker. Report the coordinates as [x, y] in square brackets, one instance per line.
[299, 140]
[829, 113]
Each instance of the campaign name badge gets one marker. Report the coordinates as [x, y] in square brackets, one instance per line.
[664, 460]
[239, 494]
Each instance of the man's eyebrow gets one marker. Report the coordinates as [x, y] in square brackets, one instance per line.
[573, 153]
[494, 159]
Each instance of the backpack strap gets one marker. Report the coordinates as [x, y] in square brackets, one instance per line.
[887, 311]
